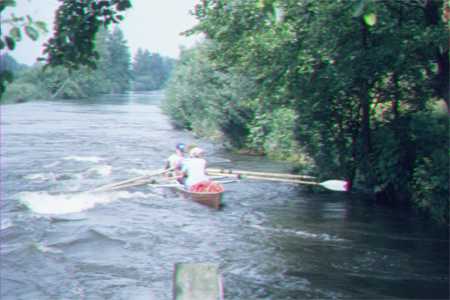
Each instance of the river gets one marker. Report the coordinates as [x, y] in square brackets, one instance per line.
[270, 240]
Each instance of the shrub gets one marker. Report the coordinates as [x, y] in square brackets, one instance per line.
[21, 91]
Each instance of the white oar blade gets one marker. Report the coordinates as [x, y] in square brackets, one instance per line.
[335, 185]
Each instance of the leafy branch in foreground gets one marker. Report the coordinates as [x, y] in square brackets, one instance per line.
[76, 24]
[73, 41]
[16, 28]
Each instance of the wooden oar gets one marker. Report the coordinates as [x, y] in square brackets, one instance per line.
[128, 185]
[217, 171]
[334, 185]
[161, 185]
[136, 181]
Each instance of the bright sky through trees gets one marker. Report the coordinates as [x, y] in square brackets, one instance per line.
[149, 24]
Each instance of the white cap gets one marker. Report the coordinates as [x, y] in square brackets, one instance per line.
[196, 151]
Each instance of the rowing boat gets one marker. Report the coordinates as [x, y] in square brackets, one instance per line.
[211, 199]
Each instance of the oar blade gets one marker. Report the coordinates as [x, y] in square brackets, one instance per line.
[336, 185]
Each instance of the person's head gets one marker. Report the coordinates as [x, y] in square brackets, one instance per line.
[190, 147]
[196, 152]
[180, 148]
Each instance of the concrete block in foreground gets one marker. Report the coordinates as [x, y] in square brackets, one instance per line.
[197, 281]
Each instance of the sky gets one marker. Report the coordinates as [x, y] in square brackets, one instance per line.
[150, 25]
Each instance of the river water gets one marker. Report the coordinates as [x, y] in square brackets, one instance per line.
[270, 241]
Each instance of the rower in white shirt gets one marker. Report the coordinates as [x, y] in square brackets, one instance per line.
[194, 168]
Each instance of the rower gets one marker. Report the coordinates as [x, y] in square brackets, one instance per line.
[175, 162]
[194, 168]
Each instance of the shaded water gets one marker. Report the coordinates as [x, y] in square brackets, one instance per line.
[271, 240]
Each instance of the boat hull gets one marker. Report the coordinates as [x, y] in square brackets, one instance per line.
[210, 199]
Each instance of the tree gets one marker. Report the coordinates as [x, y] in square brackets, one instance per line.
[141, 69]
[8, 63]
[50, 82]
[76, 24]
[209, 101]
[119, 61]
[18, 27]
[150, 70]
[360, 76]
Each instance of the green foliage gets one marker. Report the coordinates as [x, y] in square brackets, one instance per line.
[204, 99]
[280, 142]
[273, 134]
[430, 177]
[27, 85]
[346, 83]
[116, 61]
[184, 94]
[431, 192]
[150, 70]
[113, 72]
[76, 24]
[16, 26]
[5, 77]
[8, 66]
[73, 42]
[19, 91]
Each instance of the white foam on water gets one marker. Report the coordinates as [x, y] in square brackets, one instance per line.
[300, 233]
[320, 236]
[46, 249]
[52, 165]
[40, 177]
[78, 176]
[102, 170]
[58, 204]
[45, 203]
[5, 223]
[94, 159]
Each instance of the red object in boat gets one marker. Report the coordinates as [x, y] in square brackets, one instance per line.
[207, 186]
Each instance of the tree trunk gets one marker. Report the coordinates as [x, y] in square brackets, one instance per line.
[434, 18]
[363, 85]
[365, 136]
[396, 98]
[442, 80]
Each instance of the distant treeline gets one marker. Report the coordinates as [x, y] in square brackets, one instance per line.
[343, 89]
[115, 72]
